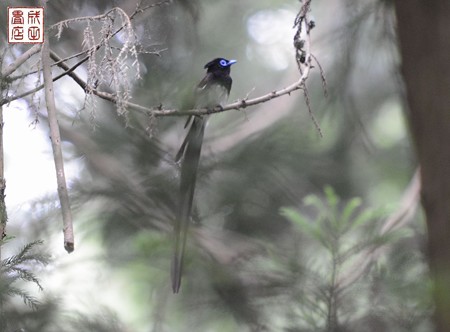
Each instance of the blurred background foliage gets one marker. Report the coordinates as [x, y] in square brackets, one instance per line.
[273, 247]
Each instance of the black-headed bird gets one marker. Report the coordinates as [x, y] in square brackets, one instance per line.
[212, 91]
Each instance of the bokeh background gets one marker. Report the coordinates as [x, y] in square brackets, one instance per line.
[289, 227]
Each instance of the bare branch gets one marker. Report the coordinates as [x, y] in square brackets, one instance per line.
[56, 147]
[311, 114]
[140, 9]
[322, 76]
[240, 104]
[3, 212]
[20, 60]
[158, 112]
[302, 42]
[65, 23]
[237, 105]
[41, 86]
[84, 18]
[90, 18]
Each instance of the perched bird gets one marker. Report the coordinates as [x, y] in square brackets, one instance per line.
[212, 91]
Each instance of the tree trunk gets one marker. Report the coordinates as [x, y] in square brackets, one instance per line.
[424, 36]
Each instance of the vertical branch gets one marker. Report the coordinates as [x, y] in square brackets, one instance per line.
[302, 45]
[56, 147]
[332, 291]
[3, 214]
[301, 39]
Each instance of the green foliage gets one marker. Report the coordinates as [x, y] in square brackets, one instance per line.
[350, 272]
[18, 268]
[48, 315]
[104, 320]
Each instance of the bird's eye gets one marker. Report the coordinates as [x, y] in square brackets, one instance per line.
[223, 63]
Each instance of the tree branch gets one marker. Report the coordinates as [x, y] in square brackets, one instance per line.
[94, 48]
[20, 60]
[40, 87]
[301, 43]
[3, 212]
[158, 112]
[25, 56]
[56, 147]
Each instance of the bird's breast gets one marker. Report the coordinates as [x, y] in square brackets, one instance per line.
[211, 96]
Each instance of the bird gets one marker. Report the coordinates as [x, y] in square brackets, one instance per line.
[212, 91]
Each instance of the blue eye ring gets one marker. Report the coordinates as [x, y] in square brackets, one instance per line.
[223, 63]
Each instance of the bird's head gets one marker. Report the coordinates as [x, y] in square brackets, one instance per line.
[219, 65]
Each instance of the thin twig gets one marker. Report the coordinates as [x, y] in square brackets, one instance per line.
[85, 18]
[322, 76]
[98, 17]
[3, 212]
[153, 5]
[311, 114]
[41, 86]
[302, 13]
[56, 147]
[36, 48]
[20, 60]
[302, 45]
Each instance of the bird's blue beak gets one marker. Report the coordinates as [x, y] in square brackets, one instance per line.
[230, 62]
